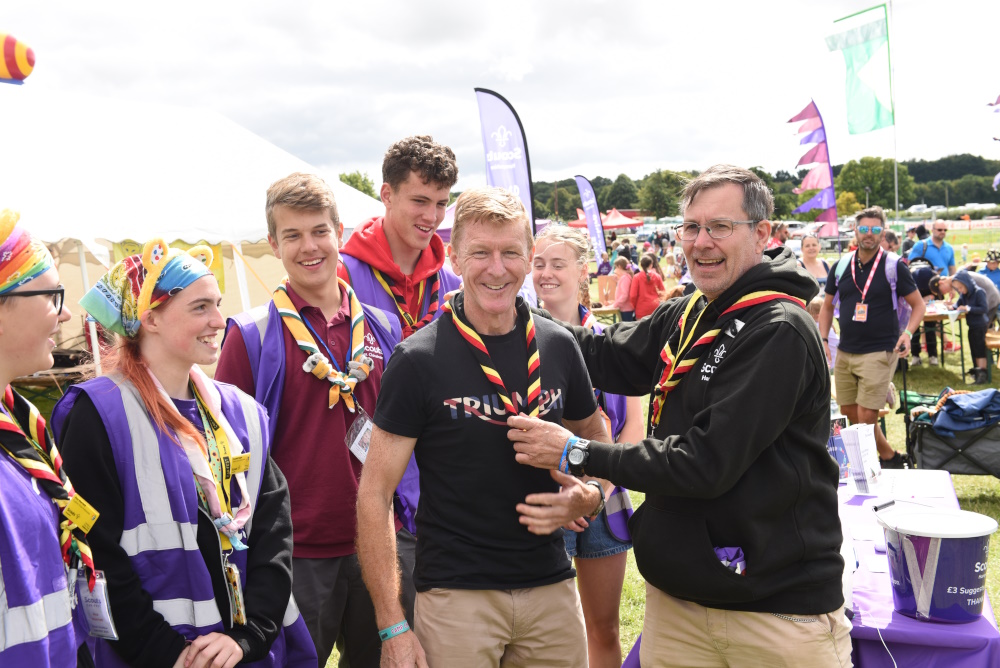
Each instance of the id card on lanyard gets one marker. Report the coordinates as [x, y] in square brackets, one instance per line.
[861, 308]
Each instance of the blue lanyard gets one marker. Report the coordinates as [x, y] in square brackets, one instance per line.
[320, 340]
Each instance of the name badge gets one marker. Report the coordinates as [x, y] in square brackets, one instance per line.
[81, 513]
[360, 435]
[861, 313]
[241, 463]
[95, 606]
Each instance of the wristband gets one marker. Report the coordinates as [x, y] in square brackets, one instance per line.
[600, 505]
[563, 457]
[907, 332]
[826, 340]
[393, 631]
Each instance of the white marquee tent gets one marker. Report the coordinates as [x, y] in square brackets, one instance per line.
[85, 169]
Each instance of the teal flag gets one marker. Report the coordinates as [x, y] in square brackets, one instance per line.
[865, 46]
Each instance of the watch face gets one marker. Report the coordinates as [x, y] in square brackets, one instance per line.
[575, 457]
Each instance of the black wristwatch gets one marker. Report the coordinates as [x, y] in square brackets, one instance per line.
[578, 455]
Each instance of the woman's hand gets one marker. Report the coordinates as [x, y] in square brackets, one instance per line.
[213, 649]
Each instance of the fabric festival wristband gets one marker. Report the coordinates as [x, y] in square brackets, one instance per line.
[563, 457]
[908, 334]
[393, 631]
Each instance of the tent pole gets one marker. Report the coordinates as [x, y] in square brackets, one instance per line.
[241, 274]
[95, 342]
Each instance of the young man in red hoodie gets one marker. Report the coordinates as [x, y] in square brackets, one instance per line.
[396, 261]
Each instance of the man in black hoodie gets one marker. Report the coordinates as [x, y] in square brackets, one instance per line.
[739, 538]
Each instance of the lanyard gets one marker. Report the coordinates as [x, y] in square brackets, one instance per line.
[878, 258]
[320, 340]
[215, 433]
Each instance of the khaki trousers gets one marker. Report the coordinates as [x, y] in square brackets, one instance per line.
[514, 628]
[680, 633]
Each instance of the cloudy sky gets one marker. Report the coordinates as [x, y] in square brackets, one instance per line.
[602, 87]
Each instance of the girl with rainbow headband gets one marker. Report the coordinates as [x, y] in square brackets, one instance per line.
[40, 547]
[195, 534]
[560, 267]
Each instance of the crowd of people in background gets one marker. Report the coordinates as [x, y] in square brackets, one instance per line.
[380, 465]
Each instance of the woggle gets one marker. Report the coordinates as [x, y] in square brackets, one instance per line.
[18, 60]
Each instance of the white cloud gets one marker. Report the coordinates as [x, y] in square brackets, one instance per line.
[601, 87]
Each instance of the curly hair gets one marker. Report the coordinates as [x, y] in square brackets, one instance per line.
[435, 163]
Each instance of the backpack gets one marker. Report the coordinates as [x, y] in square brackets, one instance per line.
[921, 261]
[899, 305]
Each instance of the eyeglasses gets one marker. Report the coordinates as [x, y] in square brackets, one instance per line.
[940, 229]
[717, 228]
[874, 229]
[57, 293]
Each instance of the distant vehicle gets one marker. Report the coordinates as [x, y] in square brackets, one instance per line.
[796, 228]
[937, 207]
[917, 208]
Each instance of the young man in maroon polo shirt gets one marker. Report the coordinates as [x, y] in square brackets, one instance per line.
[266, 353]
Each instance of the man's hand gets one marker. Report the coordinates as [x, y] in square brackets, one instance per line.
[537, 443]
[903, 345]
[826, 349]
[213, 649]
[403, 651]
[544, 513]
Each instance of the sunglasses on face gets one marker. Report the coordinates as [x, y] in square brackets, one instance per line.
[58, 295]
[874, 229]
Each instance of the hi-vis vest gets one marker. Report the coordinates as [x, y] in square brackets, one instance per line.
[36, 626]
[161, 515]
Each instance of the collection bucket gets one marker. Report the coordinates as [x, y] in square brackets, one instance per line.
[937, 561]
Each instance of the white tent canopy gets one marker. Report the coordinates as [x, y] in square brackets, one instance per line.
[88, 168]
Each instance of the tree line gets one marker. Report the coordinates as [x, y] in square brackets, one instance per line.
[950, 181]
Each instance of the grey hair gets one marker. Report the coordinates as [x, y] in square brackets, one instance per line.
[758, 201]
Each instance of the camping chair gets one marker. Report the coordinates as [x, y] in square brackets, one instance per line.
[970, 452]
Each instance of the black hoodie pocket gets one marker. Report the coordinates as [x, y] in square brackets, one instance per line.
[675, 554]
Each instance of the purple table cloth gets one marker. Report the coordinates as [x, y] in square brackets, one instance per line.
[911, 642]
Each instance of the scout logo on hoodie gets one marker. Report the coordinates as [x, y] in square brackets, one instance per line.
[372, 348]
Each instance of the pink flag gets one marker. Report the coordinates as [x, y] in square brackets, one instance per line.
[817, 153]
[809, 112]
[829, 216]
[817, 178]
[811, 124]
[994, 104]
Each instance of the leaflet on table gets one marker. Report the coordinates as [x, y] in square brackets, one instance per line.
[835, 446]
[862, 455]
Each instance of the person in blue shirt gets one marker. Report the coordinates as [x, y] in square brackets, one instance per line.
[935, 250]
[992, 268]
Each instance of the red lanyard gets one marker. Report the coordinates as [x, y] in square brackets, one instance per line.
[878, 258]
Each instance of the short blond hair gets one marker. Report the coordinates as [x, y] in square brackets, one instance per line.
[304, 192]
[492, 206]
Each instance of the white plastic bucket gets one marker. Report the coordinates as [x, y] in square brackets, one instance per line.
[937, 561]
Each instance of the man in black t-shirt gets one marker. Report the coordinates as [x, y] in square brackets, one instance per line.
[494, 583]
[870, 341]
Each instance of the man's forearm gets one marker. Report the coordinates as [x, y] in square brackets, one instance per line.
[376, 543]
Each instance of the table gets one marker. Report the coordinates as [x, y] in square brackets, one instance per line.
[913, 643]
[947, 316]
[607, 312]
[39, 384]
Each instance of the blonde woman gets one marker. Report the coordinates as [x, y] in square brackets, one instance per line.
[600, 548]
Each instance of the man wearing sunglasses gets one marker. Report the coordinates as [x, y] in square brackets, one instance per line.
[935, 250]
[868, 283]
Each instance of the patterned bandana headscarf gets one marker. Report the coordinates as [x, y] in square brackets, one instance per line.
[142, 282]
[21, 257]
